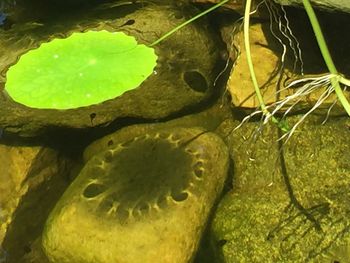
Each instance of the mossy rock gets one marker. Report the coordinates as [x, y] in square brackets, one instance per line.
[259, 222]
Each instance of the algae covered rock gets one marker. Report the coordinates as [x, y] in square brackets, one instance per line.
[144, 199]
[259, 221]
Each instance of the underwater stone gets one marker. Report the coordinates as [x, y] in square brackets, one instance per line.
[329, 5]
[170, 89]
[266, 57]
[31, 181]
[145, 199]
[258, 222]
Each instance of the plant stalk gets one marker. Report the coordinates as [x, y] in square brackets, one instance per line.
[326, 55]
[188, 22]
[246, 24]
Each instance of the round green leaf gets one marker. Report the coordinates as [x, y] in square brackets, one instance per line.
[81, 70]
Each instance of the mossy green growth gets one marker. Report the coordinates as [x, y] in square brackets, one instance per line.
[81, 70]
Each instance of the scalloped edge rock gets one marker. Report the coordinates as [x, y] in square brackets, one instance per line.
[72, 234]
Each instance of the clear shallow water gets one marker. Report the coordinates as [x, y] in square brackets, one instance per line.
[29, 32]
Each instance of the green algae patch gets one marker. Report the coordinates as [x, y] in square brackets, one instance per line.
[81, 70]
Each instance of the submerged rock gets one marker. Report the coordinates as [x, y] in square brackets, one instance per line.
[329, 5]
[275, 70]
[183, 77]
[237, 6]
[31, 180]
[259, 222]
[145, 198]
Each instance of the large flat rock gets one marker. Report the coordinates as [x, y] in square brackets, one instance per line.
[145, 198]
[183, 77]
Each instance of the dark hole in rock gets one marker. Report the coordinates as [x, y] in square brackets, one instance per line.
[179, 197]
[92, 117]
[129, 22]
[199, 172]
[196, 81]
[110, 142]
[93, 190]
[198, 165]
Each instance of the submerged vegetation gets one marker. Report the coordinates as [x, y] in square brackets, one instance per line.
[330, 81]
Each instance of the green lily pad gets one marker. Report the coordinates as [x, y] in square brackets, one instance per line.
[81, 70]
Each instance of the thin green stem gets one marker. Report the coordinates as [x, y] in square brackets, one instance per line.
[326, 55]
[283, 126]
[249, 57]
[188, 22]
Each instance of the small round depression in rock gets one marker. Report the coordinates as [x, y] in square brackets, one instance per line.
[179, 197]
[196, 81]
[93, 190]
[145, 175]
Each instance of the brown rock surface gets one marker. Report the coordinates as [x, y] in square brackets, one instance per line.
[31, 179]
[183, 77]
[272, 79]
